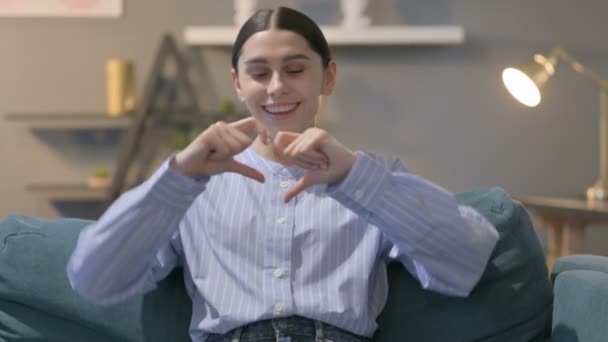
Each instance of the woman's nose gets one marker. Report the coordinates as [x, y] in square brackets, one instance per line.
[276, 86]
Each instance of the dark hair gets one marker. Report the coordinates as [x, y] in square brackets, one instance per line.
[283, 18]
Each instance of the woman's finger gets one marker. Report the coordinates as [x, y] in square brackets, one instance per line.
[305, 148]
[245, 125]
[310, 159]
[313, 155]
[218, 148]
[237, 132]
[242, 139]
[298, 187]
[279, 153]
[233, 143]
[306, 164]
[247, 171]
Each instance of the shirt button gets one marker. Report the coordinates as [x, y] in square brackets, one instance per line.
[284, 184]
[277, 273]
[278, 307]
[281, 220]
[359, 194]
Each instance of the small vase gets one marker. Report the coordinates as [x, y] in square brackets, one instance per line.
[353, 13]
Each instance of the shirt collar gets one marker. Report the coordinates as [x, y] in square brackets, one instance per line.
[267, 166]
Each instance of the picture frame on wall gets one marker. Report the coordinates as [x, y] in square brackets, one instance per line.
[61, 8]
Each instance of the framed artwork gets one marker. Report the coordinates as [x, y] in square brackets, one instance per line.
[61, 8]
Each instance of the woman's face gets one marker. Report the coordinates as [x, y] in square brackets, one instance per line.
[280, 79]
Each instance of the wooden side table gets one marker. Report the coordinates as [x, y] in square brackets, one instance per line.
[565, 220]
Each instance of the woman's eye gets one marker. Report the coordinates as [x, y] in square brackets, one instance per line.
[259, 75]
[295, 71]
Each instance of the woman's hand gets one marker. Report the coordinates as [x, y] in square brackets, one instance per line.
[213, 150]
[325, 159]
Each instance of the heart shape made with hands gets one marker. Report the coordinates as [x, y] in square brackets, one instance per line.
[324, 158]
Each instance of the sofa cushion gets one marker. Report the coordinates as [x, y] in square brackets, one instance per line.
[588, 262]
[38, 304]
[581, 306]
[511, 302]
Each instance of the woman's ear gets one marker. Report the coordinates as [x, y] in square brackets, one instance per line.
[237, 84]
[329, 78]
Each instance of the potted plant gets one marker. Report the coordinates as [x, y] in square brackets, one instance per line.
[100, 178]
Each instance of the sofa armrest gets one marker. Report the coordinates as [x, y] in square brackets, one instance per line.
[580, 262]
[580, 309]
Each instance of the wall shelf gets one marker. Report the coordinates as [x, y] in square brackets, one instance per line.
[337, 36]
[68, 191]
[62, 121]
[101, 121]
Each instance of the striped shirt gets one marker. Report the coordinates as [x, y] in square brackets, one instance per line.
[248, 256]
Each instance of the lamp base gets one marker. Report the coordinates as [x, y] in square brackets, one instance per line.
[597, 192]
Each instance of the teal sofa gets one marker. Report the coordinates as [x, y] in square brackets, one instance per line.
[515, 300]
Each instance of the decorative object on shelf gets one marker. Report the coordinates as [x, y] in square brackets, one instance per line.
[353, 14]
[243, 9]
[120, 87]
[100, 178]
[355, 29]
[226, 106]
[61, 8]
[525, 84]
[167, 93]
[169, 100]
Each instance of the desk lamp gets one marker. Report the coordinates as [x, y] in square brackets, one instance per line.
[526, 82]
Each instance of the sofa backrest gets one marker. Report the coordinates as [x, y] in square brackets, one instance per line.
[38, 304]
[511, 302]
[580, 312]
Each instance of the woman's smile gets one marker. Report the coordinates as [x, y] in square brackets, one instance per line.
[280, 111]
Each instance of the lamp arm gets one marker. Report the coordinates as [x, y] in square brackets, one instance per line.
[602, 180]
[560, 53]
[599, 190]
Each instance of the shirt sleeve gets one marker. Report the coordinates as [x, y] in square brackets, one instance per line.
[136, 242]
[445, 246]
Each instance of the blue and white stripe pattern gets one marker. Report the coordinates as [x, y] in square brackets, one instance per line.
[248, 256]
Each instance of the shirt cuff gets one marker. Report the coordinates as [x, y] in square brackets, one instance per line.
[363, 183]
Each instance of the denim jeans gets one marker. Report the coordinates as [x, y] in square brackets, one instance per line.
[287, 329]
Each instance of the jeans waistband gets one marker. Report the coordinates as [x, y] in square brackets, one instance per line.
[288, 326]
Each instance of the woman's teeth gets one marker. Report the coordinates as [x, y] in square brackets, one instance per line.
[280, 109]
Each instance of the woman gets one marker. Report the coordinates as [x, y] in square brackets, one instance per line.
[286, 235]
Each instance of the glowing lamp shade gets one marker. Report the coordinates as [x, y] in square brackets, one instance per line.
[521, 87]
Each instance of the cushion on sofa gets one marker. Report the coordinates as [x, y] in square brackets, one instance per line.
[588, 262]
[580, 314]
[511, 302]
[38, 304]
